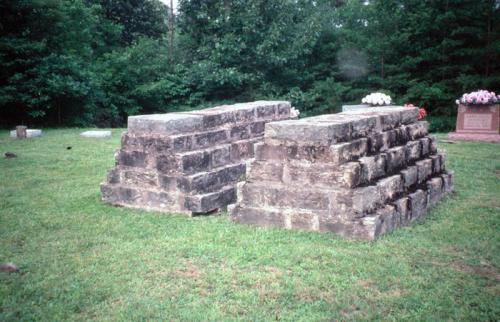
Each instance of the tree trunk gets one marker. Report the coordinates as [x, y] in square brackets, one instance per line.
[382, 72]
[171, 32]
[488, 41]
[59, 113]
[443, 60]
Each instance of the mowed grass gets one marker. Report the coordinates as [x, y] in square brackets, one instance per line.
[81, 259]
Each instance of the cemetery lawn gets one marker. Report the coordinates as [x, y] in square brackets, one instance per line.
[81, 259]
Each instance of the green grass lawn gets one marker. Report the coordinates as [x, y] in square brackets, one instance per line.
[85, 260]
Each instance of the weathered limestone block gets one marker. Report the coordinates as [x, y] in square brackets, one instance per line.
[448, 181]
[165, 124]
[424, 170]
[390, 187]
[354, 174]
[426, 143]
[345, 152]
[267, 194]
[435, 190]
[189, 162]
[403, 209]
[413, 151]
[373, 167]
[265, 171]
[395, 158]
[260, 216]
[410, 176]
[214, 200]
[380, 142]
[323, 133]
[417, 130]
[365, 199]
[418, 204]
[321, 174]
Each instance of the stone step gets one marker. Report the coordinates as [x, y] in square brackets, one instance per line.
[204, 203]
[295, 172]
[205, 159]
[379, 221]
[359, 125]
[161, 144]
[277, 163]
[384, 190]
[205, 182]
[258, 216]
[166, 124]
[342, 127]
[284, 196]
[391, 116]
[149, 199]
[368, 227]
[197, 121]
[244, 113]
[339, 202]
[319, 133]
[391, 141]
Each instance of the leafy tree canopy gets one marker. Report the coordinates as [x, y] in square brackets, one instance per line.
[83, 62]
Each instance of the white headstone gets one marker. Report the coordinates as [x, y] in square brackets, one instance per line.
[30, 133]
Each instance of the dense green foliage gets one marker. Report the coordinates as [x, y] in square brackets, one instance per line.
[82, 62]
[83, 260]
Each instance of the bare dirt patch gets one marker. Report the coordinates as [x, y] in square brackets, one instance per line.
[273, 270]
[365, 282]
[190, 271]
[485, 270]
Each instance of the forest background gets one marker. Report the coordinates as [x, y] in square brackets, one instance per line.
[94, 62]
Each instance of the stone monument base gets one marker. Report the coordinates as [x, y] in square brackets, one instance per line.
[495, 138]
[188, 162]
[358, 174]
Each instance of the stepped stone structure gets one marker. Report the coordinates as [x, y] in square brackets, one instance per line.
[188, 162]
[359, 174]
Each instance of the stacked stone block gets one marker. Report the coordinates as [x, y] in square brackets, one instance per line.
[188, 162]
[358, 174]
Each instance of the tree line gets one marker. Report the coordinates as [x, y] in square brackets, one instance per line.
[94, 62]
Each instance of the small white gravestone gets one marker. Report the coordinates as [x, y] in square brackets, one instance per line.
[30, 133]
[96, 134]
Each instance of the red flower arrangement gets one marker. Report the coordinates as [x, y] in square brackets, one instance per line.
[422, 113]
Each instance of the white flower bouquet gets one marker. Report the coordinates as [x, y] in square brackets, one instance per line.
[377, 99]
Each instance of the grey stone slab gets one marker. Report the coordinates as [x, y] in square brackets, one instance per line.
[359, 107]
[171, 123]
[406, 115]
[349, 151]
[211, 201]
[309, 131]
[258, 216]
[96, 134]
[418, 204]
[372, 167]
[434, 190]
[390, 187]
